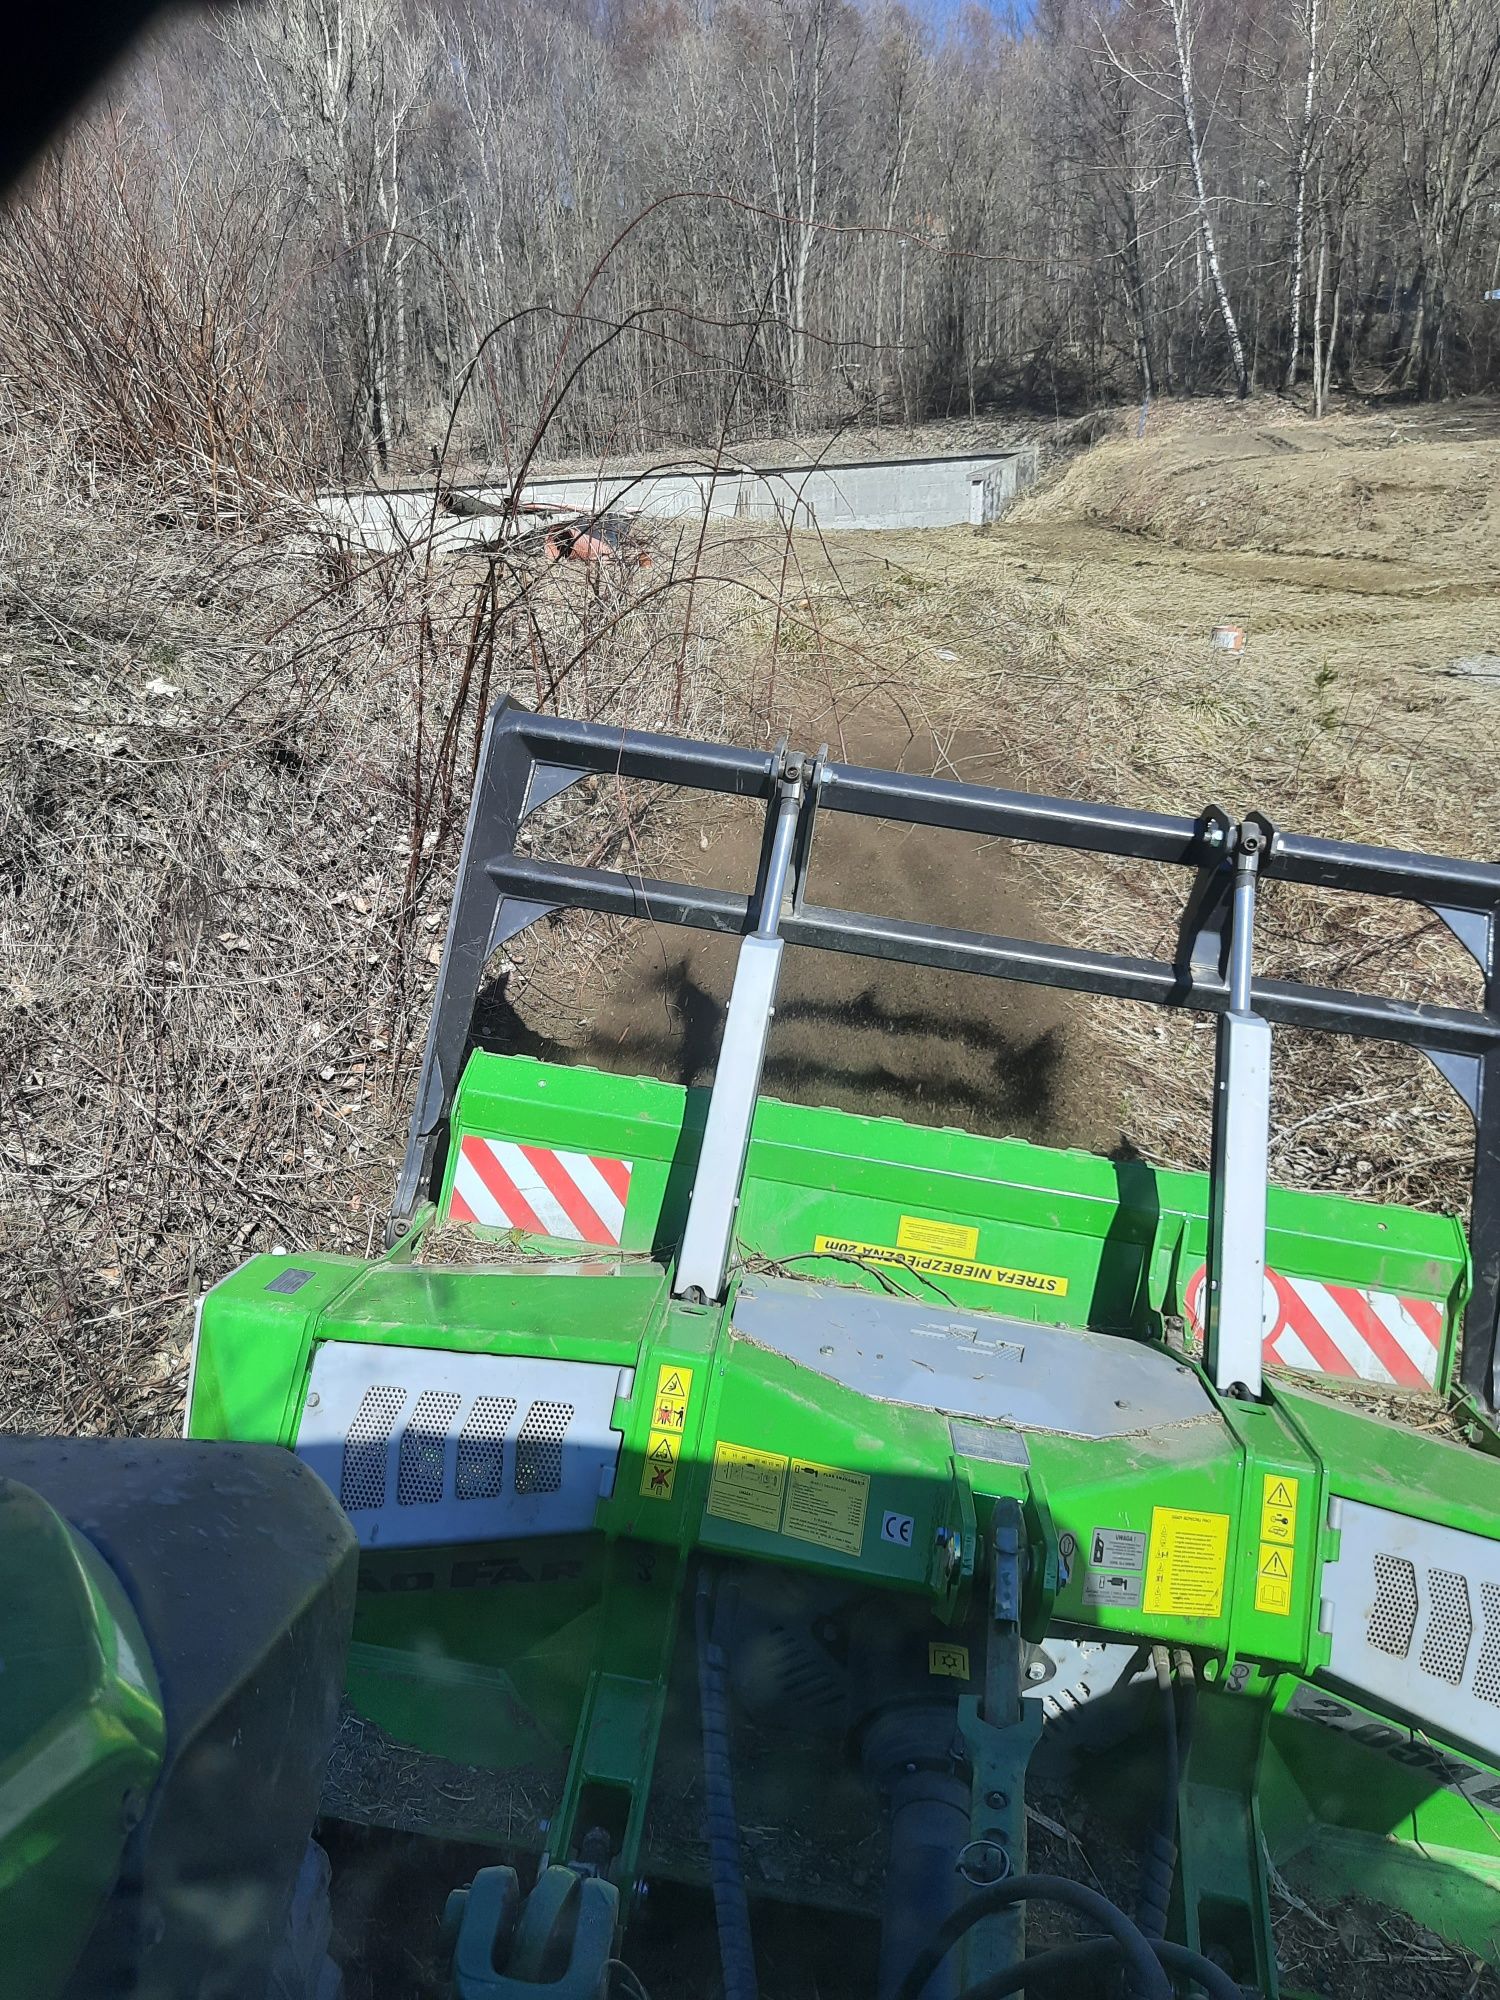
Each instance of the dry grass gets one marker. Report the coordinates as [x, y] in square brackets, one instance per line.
[1404, 484]
[234, 770]
[1076, 635]
[1128, 715]
[1356, 1950]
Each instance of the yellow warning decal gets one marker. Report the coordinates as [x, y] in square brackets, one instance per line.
[747, 1486]
[673, 1387]
[659, 1472]
[932, 1265]
[1273, 1579]
[1278, 1508]
[1186, 1562]
[943, 1239]
[826, 1505]
[951, 1662]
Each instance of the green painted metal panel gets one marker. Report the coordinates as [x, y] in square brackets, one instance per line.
[1389, 1465]
[254, 1345]
[1122, 1237]
[552, 1654]
[1354, 1805]
[1140, 1487]
[632, 1118]
[500, 1310]
[510, 1630]
[790, 1431]
[82, 1733]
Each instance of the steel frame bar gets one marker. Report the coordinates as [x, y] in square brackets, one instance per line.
[528, 759]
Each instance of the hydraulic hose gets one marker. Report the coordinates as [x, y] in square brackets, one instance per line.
[1187, 1688]
[1148, 1978]
[1159, 1865]
[1069, 1959]
[908, 1749]
[726, 1877]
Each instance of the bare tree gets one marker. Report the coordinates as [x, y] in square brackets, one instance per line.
[1310, 22]
[345, 76]
[1182, 44]
[1104, 198]
[1438, 66]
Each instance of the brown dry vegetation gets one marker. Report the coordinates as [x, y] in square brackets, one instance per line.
[1075, 635]
[235, 768]
[233, 773]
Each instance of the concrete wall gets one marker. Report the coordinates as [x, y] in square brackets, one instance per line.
[877, 493]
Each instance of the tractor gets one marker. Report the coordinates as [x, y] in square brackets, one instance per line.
[699, 1549]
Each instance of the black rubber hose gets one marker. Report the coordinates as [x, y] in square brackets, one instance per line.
[1145, 1970]
[1047, 1965]
[1073, 1958]
[1215, 1981]
[726, 1878]
[1187, 1690]
[1159, 1864]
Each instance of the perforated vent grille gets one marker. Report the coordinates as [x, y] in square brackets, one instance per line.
[362, 1483]
[539, 1448]
[481, 1448]
[419, 1480]
[428, 1449]
[1487, 1666]
[1412, 1612]
[1393, 1619]
[1450, 1626]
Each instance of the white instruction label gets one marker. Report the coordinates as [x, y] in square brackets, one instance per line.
[1111, 1587]
[1116, 1548]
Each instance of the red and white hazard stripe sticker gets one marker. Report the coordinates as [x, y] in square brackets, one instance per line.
[580, 1197]
[1341, 1330]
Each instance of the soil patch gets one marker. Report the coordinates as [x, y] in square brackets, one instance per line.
[862, 1035]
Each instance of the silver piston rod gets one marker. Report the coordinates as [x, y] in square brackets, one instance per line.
[703, 1264]
[1241, 1152]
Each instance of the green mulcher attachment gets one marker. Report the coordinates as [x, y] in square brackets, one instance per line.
[799, 1511]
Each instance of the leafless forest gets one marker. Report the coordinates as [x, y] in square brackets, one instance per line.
[347, 225]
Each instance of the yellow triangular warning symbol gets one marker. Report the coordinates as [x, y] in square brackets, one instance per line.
[1274, 1565]
[663, 1450]
[672, 1386]
[1279, 1495]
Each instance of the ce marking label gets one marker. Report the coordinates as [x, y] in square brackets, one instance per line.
[898, 1528]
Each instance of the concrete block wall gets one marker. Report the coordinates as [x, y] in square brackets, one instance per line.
[872, 494]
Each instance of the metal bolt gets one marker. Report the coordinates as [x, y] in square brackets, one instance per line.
[1037, 1671]
[996, 1801]
[313, 1399]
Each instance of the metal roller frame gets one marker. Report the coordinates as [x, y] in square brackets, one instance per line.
[527, 760]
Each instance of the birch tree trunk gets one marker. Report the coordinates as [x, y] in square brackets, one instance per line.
[1182, 40]
[1318, 376]
[1299, 192]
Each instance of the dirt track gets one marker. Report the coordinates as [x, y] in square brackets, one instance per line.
[894, 1040]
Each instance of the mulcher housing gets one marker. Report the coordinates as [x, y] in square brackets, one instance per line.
[929, 1434]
